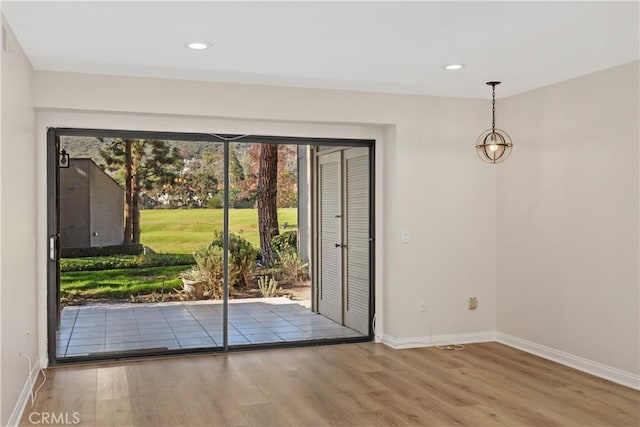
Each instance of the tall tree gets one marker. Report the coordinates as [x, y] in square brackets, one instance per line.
[236, 173]
[146, 163]
[267, 193]
[128, 191]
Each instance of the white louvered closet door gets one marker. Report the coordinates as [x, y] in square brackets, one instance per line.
[356, 244]
[330, 236]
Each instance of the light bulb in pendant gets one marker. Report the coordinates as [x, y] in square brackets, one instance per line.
[492, 143]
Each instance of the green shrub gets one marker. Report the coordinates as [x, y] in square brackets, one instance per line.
[123, 261]
[285, 241]
[128, 249]
[242, 257]
[268, 286]
[291, 266]
[210, 267]
[216, 201]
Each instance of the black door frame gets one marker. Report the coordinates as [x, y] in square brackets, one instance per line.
[53, 227]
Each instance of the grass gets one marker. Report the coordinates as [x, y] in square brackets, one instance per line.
[166, 231]
[120, 283]
[186, 230]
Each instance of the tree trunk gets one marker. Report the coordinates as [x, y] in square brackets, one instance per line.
[136, 160]
[267, 196]
[128, 214]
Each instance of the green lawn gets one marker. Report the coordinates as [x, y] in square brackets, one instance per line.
[186, 230]
[166, 231]
[120, 283]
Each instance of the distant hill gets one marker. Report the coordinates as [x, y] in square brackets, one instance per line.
[80, 146]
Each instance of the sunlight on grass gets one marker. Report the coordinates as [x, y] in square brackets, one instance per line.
[121, 283]
[186, 230]
[168, 231]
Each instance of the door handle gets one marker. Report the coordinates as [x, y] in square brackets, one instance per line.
[338, 245]
[52, 248]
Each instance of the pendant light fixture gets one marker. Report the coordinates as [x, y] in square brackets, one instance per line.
[494, 145]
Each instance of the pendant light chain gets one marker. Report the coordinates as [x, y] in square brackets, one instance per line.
[493, 109]
[493, 145]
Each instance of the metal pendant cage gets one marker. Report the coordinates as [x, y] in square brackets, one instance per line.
[494, 145]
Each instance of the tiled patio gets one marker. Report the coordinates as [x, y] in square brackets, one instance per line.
[92, 329]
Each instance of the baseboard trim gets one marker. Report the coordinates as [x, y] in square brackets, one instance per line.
[25, 395]
[425, 341]
[585, 365]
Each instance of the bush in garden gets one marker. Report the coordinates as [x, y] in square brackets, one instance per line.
[242, 257]
[291, 266]
[268, 286]
[285, 241]
[209, 262]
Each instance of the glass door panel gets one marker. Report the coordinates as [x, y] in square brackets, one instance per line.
[139, 219]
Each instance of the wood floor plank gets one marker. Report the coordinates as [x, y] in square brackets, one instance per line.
[362, 384]
[264, 414]
[112, 383]
[114, 412]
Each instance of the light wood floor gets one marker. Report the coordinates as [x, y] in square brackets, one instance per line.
[348, 385]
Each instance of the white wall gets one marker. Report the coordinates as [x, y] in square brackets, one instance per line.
[567, 235]
[429, 180]
[17, 226]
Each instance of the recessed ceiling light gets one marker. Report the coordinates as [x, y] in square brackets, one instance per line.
[198, 45]
[452, 67]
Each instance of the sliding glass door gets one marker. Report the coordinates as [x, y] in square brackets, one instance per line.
[169, 243]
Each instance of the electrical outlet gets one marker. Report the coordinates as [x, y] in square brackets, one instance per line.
[422, 305]
[404, 236]
[473, 303]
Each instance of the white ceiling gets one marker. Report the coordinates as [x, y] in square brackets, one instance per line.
[372, 46]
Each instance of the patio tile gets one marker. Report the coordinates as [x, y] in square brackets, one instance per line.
[151, 321]
[266, 317]
[294, 336]
[153, 328]
[89, 324]
[183, 324]
[63, 335]
[95, 317]
[88, 334]
[263, 338]
[170, 344]
[74, 342]
[157, 337]
[196, 343]
[84, 350]
[129, 329]
[68, 314]
[191, 334]
[275, 324]
[122, 332]
[189, 325]
[120, 318]
[123, 346]
[280, 329]
[254, 331]
[218, 338]
[122, 339]
[174, 312]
